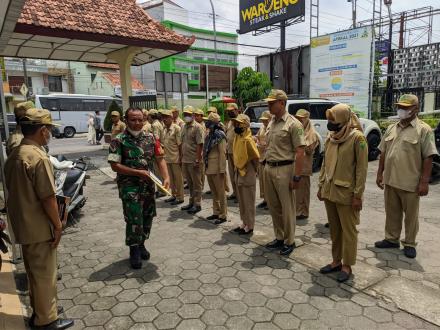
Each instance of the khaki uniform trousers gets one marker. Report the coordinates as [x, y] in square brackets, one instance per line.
[217, 185]
[193, 175]
[397, 203]
[246, 200]
[303, 196]
[202, 165]
[231, 171]
[261, 179]
[343, 233]
[40, 261]
[176, 178]
[281, 201]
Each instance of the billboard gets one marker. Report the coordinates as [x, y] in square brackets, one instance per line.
[257, 14]
[340, 68]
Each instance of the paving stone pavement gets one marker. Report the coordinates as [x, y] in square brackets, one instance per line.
[203, 277]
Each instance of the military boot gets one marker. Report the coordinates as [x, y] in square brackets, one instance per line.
[135, 257]
[145, 255]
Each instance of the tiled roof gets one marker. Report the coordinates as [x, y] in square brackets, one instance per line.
[104, 65]
[110, 20]
[114, 80]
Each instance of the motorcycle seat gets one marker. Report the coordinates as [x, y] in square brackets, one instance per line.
[72, 176]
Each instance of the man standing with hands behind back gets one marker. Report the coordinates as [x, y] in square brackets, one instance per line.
[282, 171]
[405, 165]
[33, 210]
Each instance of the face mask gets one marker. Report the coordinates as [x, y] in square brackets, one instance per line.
[209, 124]
[232, 115]
[403, 114]
[187, 119]
[47, 136]
[332, 127]
[134, 133]
[238, 130]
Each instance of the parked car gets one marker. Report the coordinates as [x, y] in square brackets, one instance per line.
[317, 109]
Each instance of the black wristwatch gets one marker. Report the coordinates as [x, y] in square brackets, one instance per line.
[297, 178]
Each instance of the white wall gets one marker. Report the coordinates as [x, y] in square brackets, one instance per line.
[175, 14]
[37, 84]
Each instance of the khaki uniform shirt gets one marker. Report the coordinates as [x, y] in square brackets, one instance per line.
[192, 136]
[157, 130]
[179, 122]
[283, 137]
[351, 171]
[230, 136]
[147, 127]
[217, 159]
[261, 142]
[29, 179]
[14, 140]
[172, 139]
[404, 150]
[118, 128]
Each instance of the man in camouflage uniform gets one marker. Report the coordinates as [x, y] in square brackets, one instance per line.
[131, 155]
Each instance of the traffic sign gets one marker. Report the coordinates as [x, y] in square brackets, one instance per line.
[24, 90]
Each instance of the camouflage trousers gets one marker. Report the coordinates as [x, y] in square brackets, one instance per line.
[139, 209]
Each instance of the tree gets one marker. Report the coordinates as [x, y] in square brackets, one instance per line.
[251, 86]
[108, 117]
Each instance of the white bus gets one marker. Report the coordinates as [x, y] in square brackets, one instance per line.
[71, 110]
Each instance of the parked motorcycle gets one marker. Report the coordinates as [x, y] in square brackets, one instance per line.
[70, 179]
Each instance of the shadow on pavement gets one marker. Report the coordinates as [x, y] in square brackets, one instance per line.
[121, 270]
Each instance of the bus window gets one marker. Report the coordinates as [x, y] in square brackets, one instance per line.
[70, 104]
[53, 105]
[94, 105]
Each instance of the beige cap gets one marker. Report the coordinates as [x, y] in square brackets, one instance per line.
[243, 119]
[174, 109]
[165, 112]
[37, 117]
[20, 108]
[302, 113]
[115, 114]
[214, 117]
[145, 112]
[212, 109]
[408, 100]
[276, 95]
[199, 111]
[188, 109]
[153, 112]
[232, 106]
[265, 116]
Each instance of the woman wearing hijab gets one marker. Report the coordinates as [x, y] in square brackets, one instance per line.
[91, 133]
[214, 157]
[246, 158]
[312, 141]
[341, 186]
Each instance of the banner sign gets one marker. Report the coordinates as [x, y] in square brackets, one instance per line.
[257, 14]
[340, 68]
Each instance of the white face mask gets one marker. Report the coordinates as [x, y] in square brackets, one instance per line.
[187, 119]
[134, 133]
[403, 114]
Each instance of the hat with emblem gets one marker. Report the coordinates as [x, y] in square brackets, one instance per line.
[265, 116]
[243, 119]
[302, 113]
[153, 112]
[199, 111]
[212, 109]
[276, 95]
[166, 112]
[116, 114]
[408, 100]
[37, 117]
[20, 108]
[232, 106]
[188, 109]
[214, 117]
[174, 109]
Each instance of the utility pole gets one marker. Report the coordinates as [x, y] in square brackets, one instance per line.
[402, 31]
[353, 10]
[25, 78]
[215, 31]
[283, 36]
[389, 93]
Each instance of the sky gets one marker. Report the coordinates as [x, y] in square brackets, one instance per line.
[334, 15]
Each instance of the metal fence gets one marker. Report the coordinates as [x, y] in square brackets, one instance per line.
[143, 101]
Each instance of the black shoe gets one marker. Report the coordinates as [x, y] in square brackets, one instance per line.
[287, 249]
[232, 197]
[409, 252]
[60, 310]
[343, 276]
[169, 200]
[244, 232]
[235, 201]
[135, 257]
[186, 187]
[238, 229]
[195, 209]
[275, 244]
[177, 202]
[386, 245]
[159, 194]
[212, 217]
[187, 207]
[262, 205]
[208, 192]
[56, 325]
[59, 276]
[219, 221]
[329, 269]
[145, 255]
[327, 225]
[301, 217]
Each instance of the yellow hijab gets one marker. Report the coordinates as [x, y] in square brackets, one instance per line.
[340, 114]
[244, 150]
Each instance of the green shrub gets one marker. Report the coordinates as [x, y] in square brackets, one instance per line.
[384, 123]
[108, 117]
